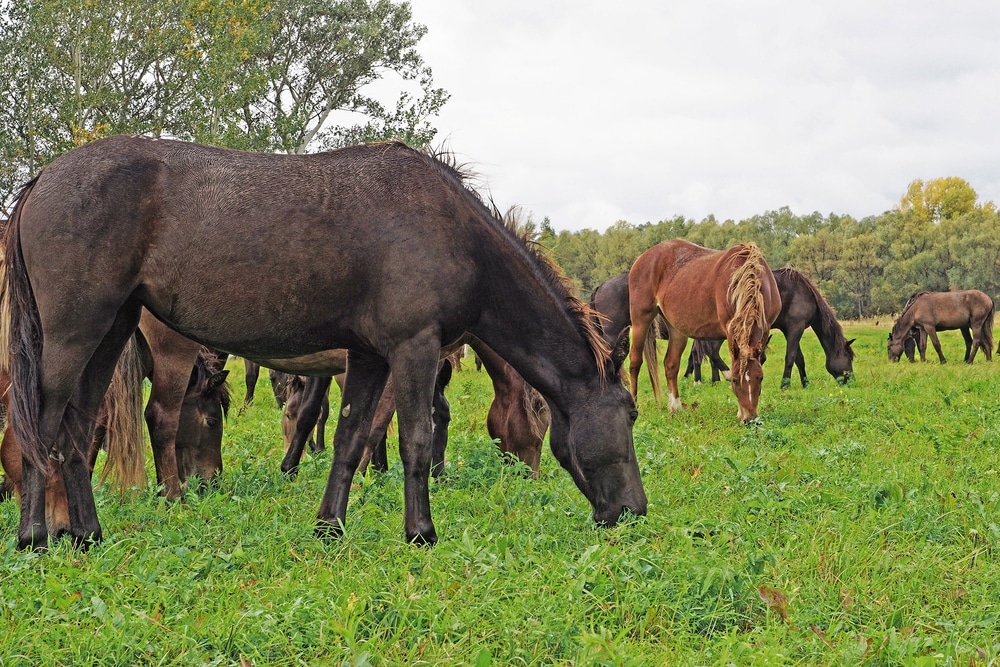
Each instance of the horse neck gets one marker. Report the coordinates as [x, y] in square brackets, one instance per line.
[498, 369]
[826, 326]
[531, 330]
[903, 324]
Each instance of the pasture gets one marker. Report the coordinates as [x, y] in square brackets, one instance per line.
[852, 526]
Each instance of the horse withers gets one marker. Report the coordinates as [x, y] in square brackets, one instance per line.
[411, 259]
[709, 294]
[926, 313]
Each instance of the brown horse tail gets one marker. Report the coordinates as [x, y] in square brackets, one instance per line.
[988, 326]
[650, 356]
[749, 318]
[122, 411]
[21, 338]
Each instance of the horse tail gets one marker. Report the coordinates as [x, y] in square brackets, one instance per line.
[650, 356]
[21, 338]
[122, 409]
[749, 318]
[988, 326]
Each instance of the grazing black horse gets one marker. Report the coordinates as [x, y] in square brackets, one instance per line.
[411, 259]
[803, 306]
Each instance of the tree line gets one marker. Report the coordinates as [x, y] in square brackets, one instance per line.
[939, 237]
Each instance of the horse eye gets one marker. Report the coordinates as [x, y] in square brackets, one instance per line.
[634, 415]
[211, 422]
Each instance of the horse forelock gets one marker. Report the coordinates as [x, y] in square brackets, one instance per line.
[747, 300]
[550, 275]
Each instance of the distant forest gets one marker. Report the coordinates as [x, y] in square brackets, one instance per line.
[939, 237]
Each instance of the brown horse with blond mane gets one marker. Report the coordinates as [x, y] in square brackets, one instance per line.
[704, 293]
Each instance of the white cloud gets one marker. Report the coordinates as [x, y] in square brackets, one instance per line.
[592, 112]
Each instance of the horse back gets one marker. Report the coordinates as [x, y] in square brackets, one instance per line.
[344, 247]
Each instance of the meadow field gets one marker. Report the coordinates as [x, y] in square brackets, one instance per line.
[852, 525]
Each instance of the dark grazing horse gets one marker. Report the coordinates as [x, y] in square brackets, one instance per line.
[803, 306]
[198, 439]
[412, 259]
[610, 300]
[926, 313]
[710, 294]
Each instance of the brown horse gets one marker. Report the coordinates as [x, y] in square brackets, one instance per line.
[412, 259]
[803, 306]
[926, 313]
[198, 437]
[710, 294]
[610, 301]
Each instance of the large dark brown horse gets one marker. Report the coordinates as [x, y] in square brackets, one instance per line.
[610, 300]
[411, 259]
[803, 306]
[926, 313]
[710, 294]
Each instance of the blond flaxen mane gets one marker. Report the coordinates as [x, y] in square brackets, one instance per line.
[748, 324]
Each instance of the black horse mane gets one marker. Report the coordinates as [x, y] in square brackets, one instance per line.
[897, 325]
[550, 274]
[827, 314]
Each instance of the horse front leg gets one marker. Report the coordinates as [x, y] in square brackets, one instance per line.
[441, 417]
[366, 377]
[252, 375]
[414, 369]
[315, 391]
[937, 345]
[792, 340]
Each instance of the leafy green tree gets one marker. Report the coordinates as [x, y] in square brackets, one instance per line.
[286, 75]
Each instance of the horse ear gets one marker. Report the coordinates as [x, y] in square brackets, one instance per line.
[217, 380]
[850, 341]
[620, 350]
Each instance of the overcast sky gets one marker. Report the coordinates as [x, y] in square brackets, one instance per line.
[641, 110]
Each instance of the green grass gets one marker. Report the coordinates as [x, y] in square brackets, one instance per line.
[851, 526]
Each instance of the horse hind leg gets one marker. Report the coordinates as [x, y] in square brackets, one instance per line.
[671, 366]
[970, 345]
[414, 368]
[366, 377]
[69, 410]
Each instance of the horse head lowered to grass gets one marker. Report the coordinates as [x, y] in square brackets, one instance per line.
[408, 259]
[710, 294]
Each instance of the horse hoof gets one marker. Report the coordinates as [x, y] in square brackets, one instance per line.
[84, 542]
[36, 540]
[329, 530]
[291, 473]
[427, 537]
[786, 384]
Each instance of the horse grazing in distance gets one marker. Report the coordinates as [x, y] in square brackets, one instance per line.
[412, 259]
[610, 301]
[803, 306]
[926, 313]
[710, 294]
